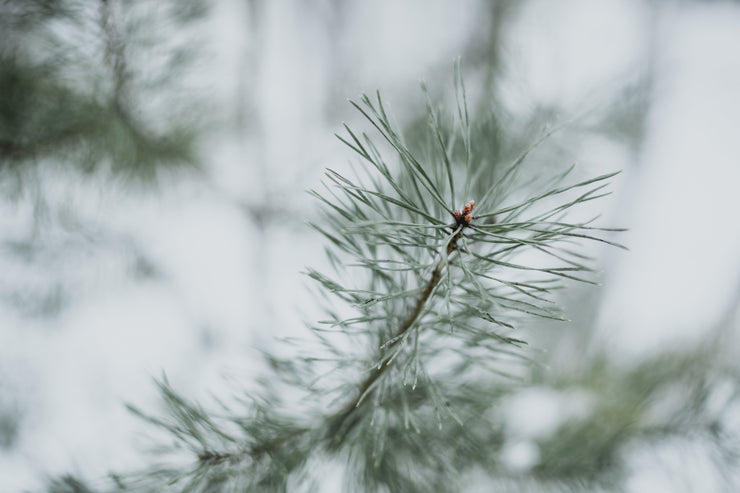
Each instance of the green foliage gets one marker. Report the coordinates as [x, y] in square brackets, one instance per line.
[674, 394]
[95, 100]
[10, 418]
[68, 484]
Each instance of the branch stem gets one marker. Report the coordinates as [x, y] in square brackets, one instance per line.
[338, 423]
[399, 337]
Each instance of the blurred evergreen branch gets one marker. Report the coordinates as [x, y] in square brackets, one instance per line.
[679, 395]
[81, 84]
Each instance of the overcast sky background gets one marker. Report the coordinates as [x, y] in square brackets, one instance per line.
[226, 286]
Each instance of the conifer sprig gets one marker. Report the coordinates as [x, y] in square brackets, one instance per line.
[456, 274]
[432, 291]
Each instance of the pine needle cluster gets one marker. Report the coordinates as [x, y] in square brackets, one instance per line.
[432, 272]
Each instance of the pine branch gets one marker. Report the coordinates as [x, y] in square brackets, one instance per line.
[439, 293]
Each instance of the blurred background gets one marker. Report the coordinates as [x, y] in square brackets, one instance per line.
[153, 162]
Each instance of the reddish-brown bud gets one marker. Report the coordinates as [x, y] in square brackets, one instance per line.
[463, 218]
